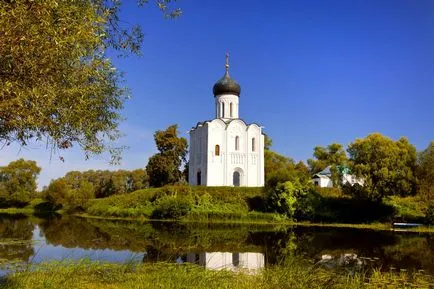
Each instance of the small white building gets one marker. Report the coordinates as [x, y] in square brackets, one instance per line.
[226, 151]
[323, 179]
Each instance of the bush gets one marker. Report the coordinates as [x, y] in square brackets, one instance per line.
[305, 209]
[329, 192]
[171, 208]
[155, 202]
[408, 209]
[288, 198]
[346, 210]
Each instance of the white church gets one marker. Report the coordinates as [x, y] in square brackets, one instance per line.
[226, 151]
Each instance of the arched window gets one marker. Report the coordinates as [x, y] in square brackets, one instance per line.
[223, 109]
[253, 144]
[230, 109]
[237, 143]
[217, 150]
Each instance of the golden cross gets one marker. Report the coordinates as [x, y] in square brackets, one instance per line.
[227, 62]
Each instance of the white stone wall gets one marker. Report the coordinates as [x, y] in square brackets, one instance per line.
[219, 170]
[352, 180]
[323, 182]
[226, 100]
[198, 154]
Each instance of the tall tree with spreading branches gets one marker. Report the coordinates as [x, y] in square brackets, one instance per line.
[386, 167]
[57, 84]
[164, 167]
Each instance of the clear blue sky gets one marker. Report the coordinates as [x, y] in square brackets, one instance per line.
[311, 72]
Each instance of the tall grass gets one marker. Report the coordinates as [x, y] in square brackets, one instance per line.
[408, 209]
[295, 275]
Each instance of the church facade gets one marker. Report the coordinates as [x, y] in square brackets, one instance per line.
[226, 151]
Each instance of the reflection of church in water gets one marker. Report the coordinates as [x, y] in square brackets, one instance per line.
[225, 151]
[225, 260]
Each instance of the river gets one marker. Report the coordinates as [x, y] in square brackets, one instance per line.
[26, 240]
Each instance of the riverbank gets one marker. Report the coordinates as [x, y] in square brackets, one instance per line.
[295, 274]
[242, 205]
[18, 211]
[285, 223]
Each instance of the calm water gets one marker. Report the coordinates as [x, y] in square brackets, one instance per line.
[33, 240]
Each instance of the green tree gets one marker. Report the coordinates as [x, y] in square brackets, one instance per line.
[106, 183]
[164, 167]
[56, 82]
[284, 198]
[57, 193]
[425, 173]
[78, 197]
[279, 168]
[386, 167]
[139, 179]
[334, 156]
[268, 142]
[18, 182]
[61, 193]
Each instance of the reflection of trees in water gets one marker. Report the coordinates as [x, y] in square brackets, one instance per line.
[16, 236]
[318, 241]
[164, 241]
[171, 238]
[73, 232]
[412, 250]
[389, 249]
[380, 249]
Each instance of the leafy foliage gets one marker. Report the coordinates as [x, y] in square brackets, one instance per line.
[279, 169]
[18, 182]
[429, 214]
[76, 188]
[64, 195]
[56, 83]
[172, 207]
[205, 202]
[164, 167]
[425, 173]
[334, 156]
[291, 199]
[385, 166]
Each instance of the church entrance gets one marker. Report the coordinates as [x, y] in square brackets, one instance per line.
[236, 179]
[199, 178]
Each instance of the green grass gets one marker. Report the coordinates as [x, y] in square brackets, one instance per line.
[247, 205]
[15, 211]
[408, 209]
[33, 207]
[202, 202]
[294, 275]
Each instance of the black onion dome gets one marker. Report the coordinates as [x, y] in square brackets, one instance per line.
[226, 85]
